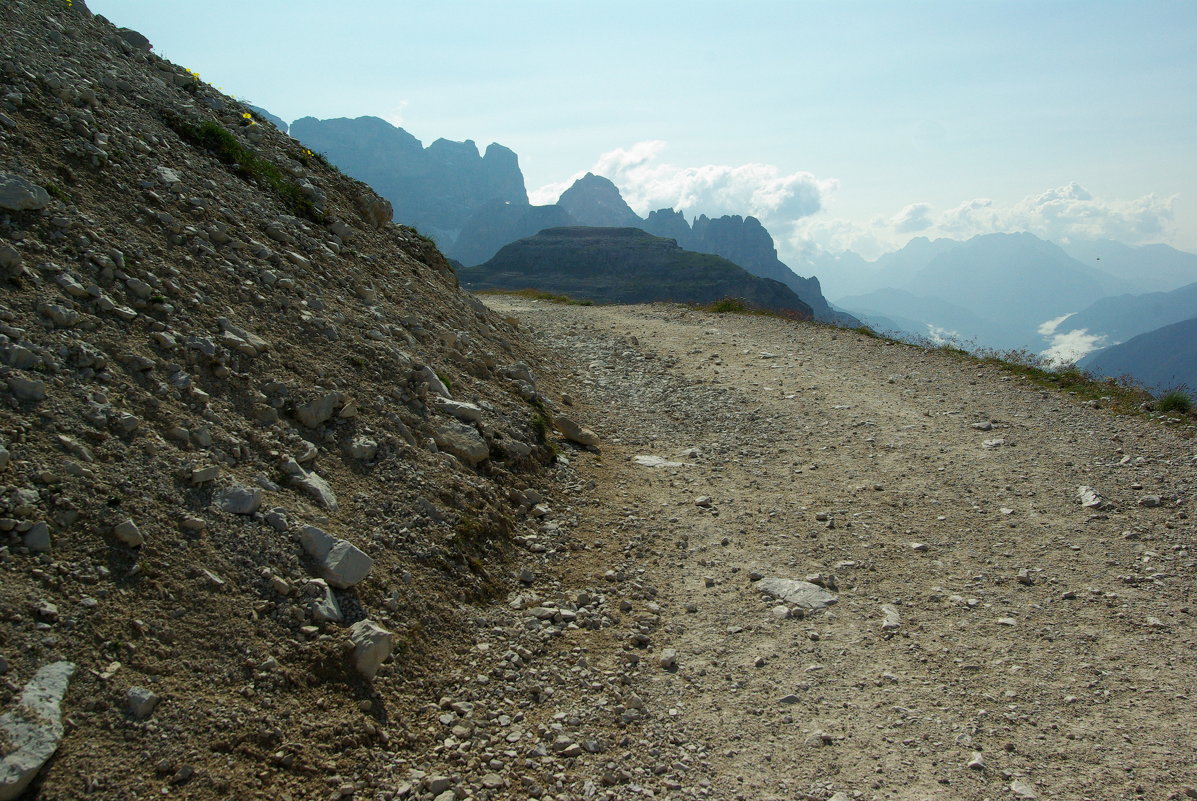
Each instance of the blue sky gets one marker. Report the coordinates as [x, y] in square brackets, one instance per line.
[843, 123]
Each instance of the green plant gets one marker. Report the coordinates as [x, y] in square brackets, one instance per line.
[537, 294]
[540, 424]
[728, 306]
[249, 165]
[1175, 400]
[445, 380]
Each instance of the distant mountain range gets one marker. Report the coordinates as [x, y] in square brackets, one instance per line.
[1004, 291]
[473, 205]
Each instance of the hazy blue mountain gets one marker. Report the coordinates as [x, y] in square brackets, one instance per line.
[594, 200]
[624, 265]
[435, 189]
[848, 273]
[1017, 279]
[933, 317]
[497, 223]
[1161, 359]
[1124, 316]
[1146, 268]
[668, 223]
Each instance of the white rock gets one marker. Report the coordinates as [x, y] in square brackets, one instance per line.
[316, 488]
[668, 659]
[1090, 498]
[318, 410]
[325, 608]
[127, 532]
[655, 461]
[1023, 789]
[372, 644]
[341, 563]
[469, 412]
[462, 441]
[33, 730]
[574, 432]
[239, 500]
[891, 620]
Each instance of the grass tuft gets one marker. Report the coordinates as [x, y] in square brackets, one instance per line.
[212, 137]
[537, 294]
[1175, 400]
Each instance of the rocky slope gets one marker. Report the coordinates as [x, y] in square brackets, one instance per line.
[253, 438]
[625, 265]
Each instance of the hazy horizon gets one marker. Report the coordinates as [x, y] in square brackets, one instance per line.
[848, 125]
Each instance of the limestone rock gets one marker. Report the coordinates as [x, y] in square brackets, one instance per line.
[809, 596]
[318, 410]
[17, 194]
[239, 500]
[372, 644]
[316, 488]
[32, 731]
[1090, 498]
[468, 412]
[127, 532]
[575, 432]
[325, 608]
[141, 702]
[462, 441]
[341, 563]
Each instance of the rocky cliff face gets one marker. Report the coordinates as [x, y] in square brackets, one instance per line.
[625, 265]
[436, 189]
[253, 437]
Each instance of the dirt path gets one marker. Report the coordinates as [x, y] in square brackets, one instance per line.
[983, 615]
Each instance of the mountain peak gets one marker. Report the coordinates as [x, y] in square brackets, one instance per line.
[595, 200]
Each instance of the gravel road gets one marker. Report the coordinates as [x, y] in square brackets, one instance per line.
[990, 636]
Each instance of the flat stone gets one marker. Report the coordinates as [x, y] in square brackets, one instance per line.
[809, 596]
[574, 432]
[468, 412]
[33, 730]
[891, 620]
[655, 461]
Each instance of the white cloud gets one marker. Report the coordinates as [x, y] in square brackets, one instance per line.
[1048, 328]
[396, 114]
[648, 183]
[1066, 348]
[912, 219]
[1061, 214]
